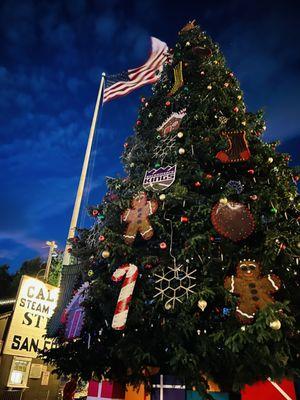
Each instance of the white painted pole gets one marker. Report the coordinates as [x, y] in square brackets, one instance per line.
[73, 224]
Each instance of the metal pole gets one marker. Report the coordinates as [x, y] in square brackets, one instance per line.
[73, 224]
[52, 245]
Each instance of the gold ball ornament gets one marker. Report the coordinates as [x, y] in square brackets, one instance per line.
[270, 160]
[162, 197]
[105, 254]
[168, 306]
[209, 87]
[180, 135]
[239, 97]
[276, 325]
[181, 150]
[224, 200]
[202, 304]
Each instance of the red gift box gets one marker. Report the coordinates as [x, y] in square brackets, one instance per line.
[270, 390]
[105, 390]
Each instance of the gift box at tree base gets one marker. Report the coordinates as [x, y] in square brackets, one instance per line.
[136, 393]
[105, 390]
[270, 390]
[167, 387]
[192, 395]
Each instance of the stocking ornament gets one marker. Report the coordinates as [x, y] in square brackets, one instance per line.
[237, 148]
[178, 79]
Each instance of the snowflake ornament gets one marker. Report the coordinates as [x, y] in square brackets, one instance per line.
[165, 147]
[175, 284]
[94, 233]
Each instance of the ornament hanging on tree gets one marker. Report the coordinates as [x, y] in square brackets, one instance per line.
[188, 27]
[237, 148]
[175, 284]
[178, 79]
[276, 325]
[232, 220]
[202, 304]
[171, 124]
[236, 185]
[165, 147]
[137, 218]
[159, 179]
[75, 313]
[131, 273]
[253, 289]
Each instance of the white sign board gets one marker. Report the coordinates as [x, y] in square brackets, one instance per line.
[35, 371]
[45, 378]
[34, 306]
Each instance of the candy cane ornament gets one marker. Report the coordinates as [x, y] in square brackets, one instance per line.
[131, 273]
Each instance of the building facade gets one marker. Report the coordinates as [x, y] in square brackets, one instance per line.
[22, 335]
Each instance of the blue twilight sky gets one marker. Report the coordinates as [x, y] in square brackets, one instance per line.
[51, 56]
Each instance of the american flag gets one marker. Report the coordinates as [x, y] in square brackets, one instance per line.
[125, 82]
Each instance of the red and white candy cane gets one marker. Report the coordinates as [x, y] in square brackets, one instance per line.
[131, 273]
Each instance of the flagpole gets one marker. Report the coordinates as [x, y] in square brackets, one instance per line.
[76, 209]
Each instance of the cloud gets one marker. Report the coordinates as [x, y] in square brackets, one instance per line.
[23, 239]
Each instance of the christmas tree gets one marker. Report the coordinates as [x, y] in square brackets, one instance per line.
[192, 262]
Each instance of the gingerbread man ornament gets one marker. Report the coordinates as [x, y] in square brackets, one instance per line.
[253, 289]
[137, 218]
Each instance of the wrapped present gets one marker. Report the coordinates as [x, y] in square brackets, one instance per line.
[133, 393]
[192, 395]
[105, 390]
[297, 387]
[270, 390]
[213, 386]
[166, 387]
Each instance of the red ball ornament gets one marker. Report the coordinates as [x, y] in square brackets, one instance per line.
[143, 99]
[138, 122]
[148, 266]
[296, 178]
[236, 109]
[163, 245]
[125, 145]
[168, 103]
[287, 158]
[95, 213]
[211, 238]
[101, 238]
[208, 176]
[197, 184]
[251, 171]
[184, 219]
[231, 74]
[253, 197]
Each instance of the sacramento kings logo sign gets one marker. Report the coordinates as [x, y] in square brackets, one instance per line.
[159, 179]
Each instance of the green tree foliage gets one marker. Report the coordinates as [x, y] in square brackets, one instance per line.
[35, 267]
[185, 341]
[5, 282]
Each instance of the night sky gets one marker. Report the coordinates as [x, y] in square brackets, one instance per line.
[52, 54]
